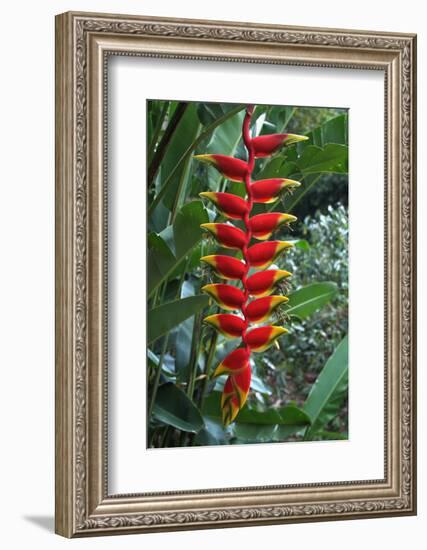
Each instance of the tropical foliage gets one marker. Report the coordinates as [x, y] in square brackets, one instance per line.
[184, 401]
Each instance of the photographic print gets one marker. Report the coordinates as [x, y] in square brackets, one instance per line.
[247, 298]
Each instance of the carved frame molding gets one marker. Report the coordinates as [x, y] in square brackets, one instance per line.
[83, 44]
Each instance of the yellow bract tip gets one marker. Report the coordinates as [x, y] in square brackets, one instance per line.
[219, 371]
[210, 227]
[291, 183]
[205, 158]
[211, 320]
[279, 299]
[294, 138]
[208, 194]
[281, 273]
[209, 289]
[287, 218]
[284, 244]
[278, 331]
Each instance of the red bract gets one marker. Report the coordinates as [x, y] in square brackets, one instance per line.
[263, 283]
[230, 167]
[265, 146]
[268, 191]
[230, 326]
[226, 296]
[263, 225]
[264, 254]
[232, 206]
[237, 363]
[227, 235]
[261, 338]
[234, 395]
[260, 310]
[226, 267]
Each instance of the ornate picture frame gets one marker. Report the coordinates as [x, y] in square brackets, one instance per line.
[84, 42]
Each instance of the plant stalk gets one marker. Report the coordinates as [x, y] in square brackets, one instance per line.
[194, 354]
[157, 131]
[211, 355]
[167, 136]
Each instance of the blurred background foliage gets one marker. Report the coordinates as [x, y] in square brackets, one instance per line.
[299, 391]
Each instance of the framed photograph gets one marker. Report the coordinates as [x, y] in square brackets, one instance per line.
[235, 274]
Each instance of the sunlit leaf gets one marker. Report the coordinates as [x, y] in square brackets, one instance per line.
[308, 299]
[163, 318]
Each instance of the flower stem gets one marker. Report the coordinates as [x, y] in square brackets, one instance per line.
[251, 163]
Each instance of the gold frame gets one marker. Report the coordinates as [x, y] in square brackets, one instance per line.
[83, 43]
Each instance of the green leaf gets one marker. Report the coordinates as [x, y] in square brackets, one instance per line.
[272, 168]
[334, 130]
[210, 112]
[212, 434]
[164, 318]
[184, 337]
[330, 389]
[175, 408]
[186, 228]
[257, 433]
[227, 136]
[180, 238]
[160, 261]
[308, 299]
[287, 416]
[299, 243]
[183, 137]
[333, 158]
[168, 365]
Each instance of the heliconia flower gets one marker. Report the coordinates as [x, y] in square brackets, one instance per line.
[234, 363]
[234, 395]
[263, 225]
[263, 283]
[268, 191]
[230, 167]
[261, 255]
[230, 326]
[256, 299]
[232, 206]
[261, 338]
[226, 234]
[265, 146]
[260, 309]
[226, 267]
[226, 296]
